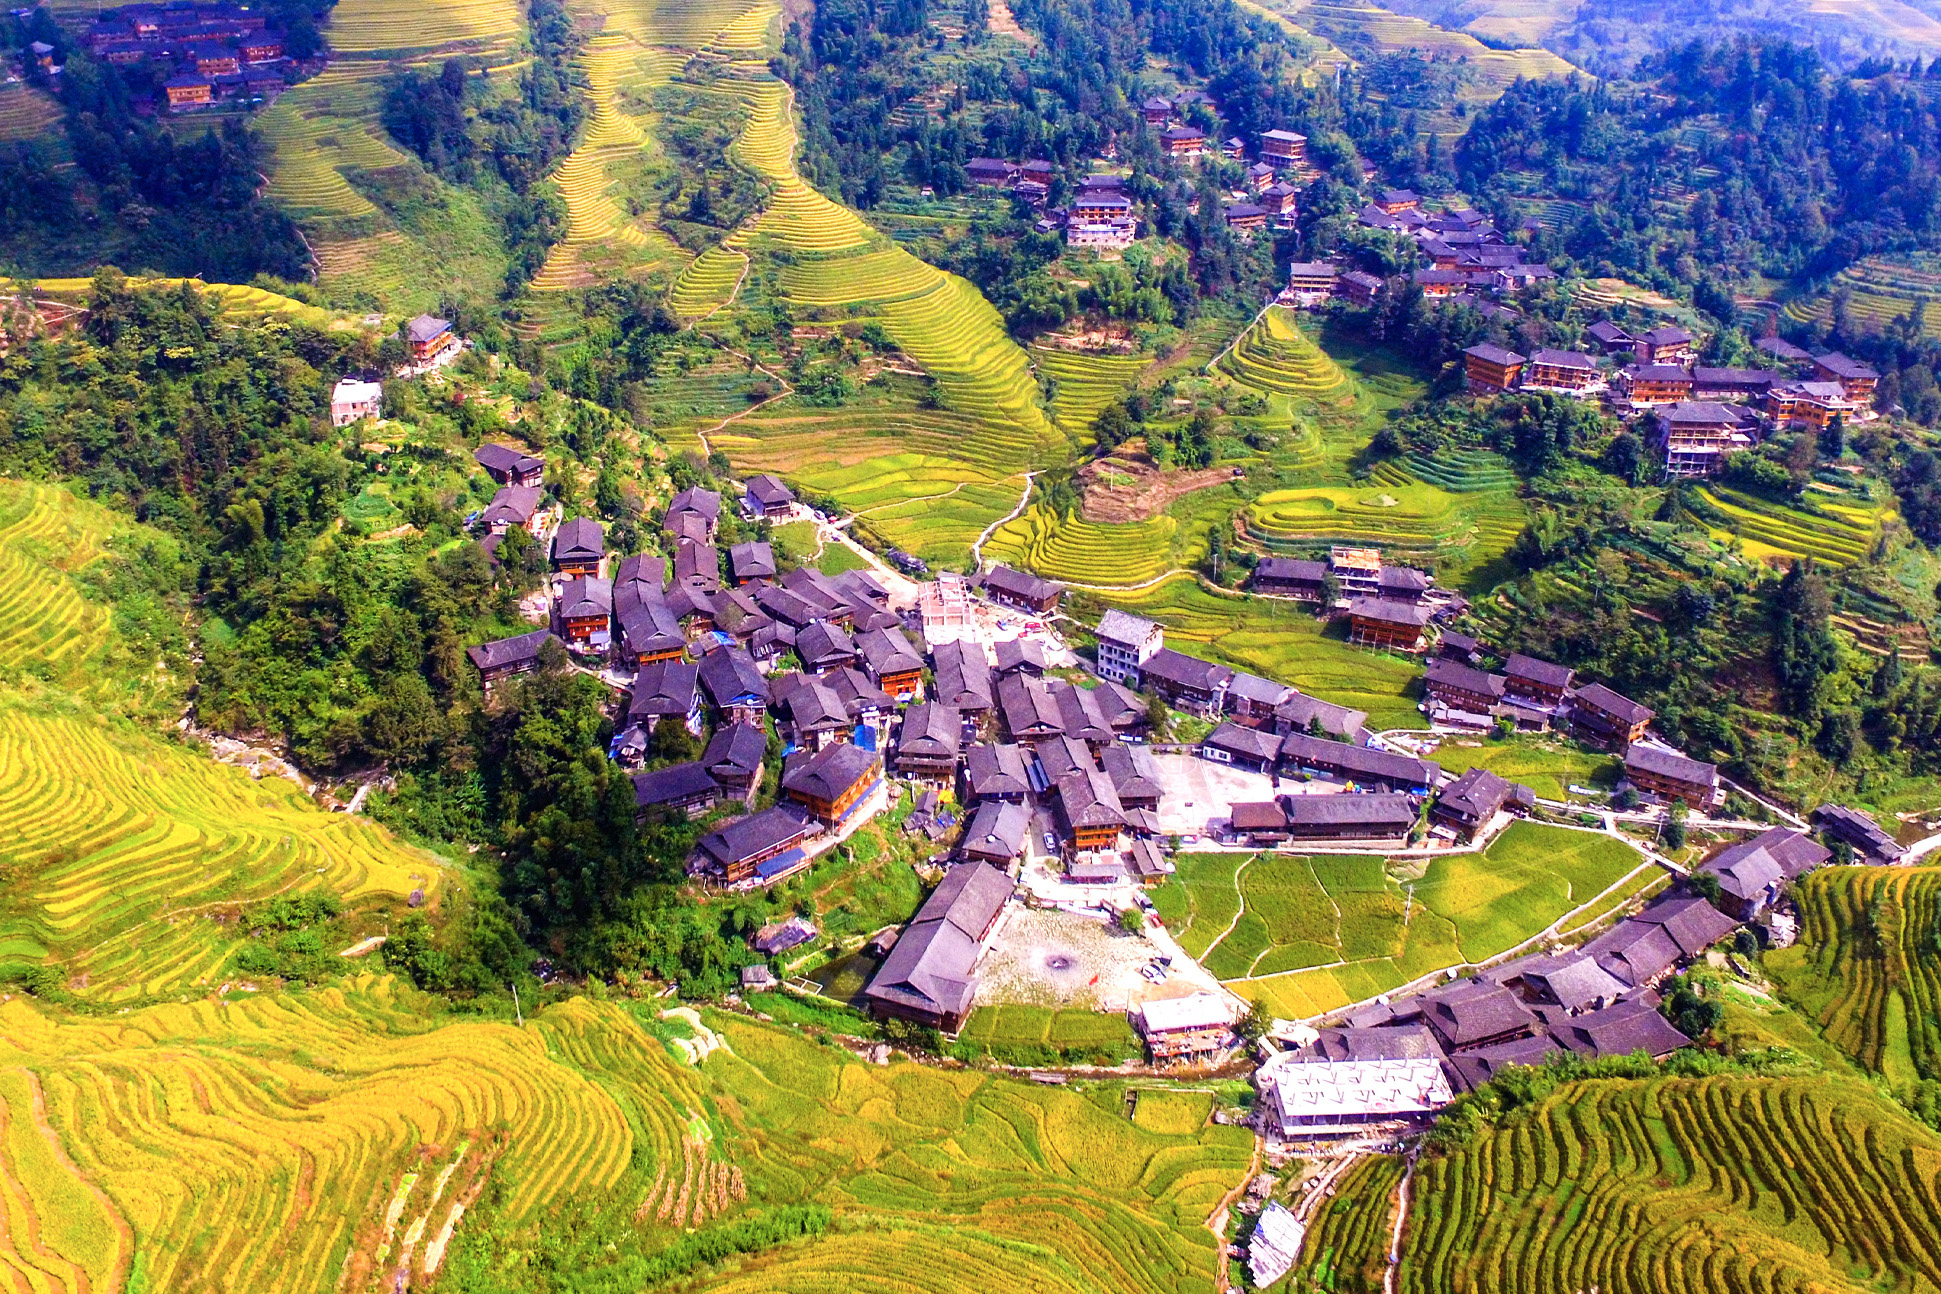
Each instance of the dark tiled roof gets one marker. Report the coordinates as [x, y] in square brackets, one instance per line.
[769, 491]
[831, 771]
[426, 327]
[1650, 759]
[1383, 813]
[997, 829]
[1291, 570]
[1254, 743]
[676, 782]
[1563, 359]
[504, 458]
[1443, 672]
[746, 837]
[1389, 611]
[736, 750]
[696, 499]
[1017, 653]
[1299, 712]
[753, 560]
[1537, 670]
[1186, 671]
[1621, 1030]
[963, 676]
[508, 651]
[1491, 353]
[1472, 1013]
[1018, 584]
[996, 770]
[887, 652]
[1475, 796]
[1621, 707]
[931, 731]
[823, 644]
[1690, 922]
[663, 688]
[1087, 798]
[730, 676]
[579, 537]
[1359, 761]
[584, 596]
[513, 505]
[930, 966]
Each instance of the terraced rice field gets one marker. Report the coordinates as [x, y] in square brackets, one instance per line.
[674, 24]
[1086, 384]
[1316, 935]
[1839, 534]
[1683, 1185]
[836, 261]
[48, 628]
[373, 26]
[321, 128]
[1346, 1249]
[709, 282]
[1077, 551]
[27, 113]
[1275, 355]
[1278, 641]
[285, 1143]
[1865, 970]
[600, 235]
[122, 848]
[1882, 289]
[1408, 518]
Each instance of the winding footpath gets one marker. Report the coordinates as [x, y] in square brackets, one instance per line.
[1024, 501]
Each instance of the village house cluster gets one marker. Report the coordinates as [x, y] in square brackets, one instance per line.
[1696, 414]
[216, 52]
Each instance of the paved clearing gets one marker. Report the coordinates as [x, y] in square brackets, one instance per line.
[1198, 792]
[1061, 959]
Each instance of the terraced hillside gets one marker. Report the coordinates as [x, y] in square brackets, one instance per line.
[1275, 355]
[1086, 384]
[1865, 969]
[287, 1143]
[930, 480]
[1093, 553]
[600, 236]
[383, 26]
[1837, 530]
[1680, 1185]
[121, 849]
[342, 1139]
[1881, 290]
[1464, 523]
[326, 134]
[1280, 641]
[49, 629]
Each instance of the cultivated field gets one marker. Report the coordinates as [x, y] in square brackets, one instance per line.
[384, 26]
[1281, 641]
[125, 853]
[1882, 289]
[1684, 1185]
[1346, 1250]
[1865, 969]
[1309, 935]
[1275, 355]
[601, 238]
[1456, 532]
[1829, 529]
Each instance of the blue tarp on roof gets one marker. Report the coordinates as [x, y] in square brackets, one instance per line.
[780, 865]
[864, 737]
[861, 800]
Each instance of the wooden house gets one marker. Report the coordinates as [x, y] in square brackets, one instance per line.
[1488, 367]
[1387, 624]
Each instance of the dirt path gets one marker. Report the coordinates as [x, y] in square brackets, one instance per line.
[1395, 1236]
[763, 369]
[1217, 1223]
[1024, 501]
[747, 263]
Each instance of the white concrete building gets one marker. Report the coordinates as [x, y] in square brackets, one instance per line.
[1126, 643]
[353, 399]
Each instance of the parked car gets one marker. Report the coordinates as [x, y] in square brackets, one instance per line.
[1051, 843]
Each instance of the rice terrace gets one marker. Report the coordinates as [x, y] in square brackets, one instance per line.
[809, 645]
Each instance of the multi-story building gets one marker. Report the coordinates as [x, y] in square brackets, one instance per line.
[1488, 367]
[1697, 434]
[1562, 370]
[1125, 644]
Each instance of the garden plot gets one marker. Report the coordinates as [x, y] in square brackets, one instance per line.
[1061, 959]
